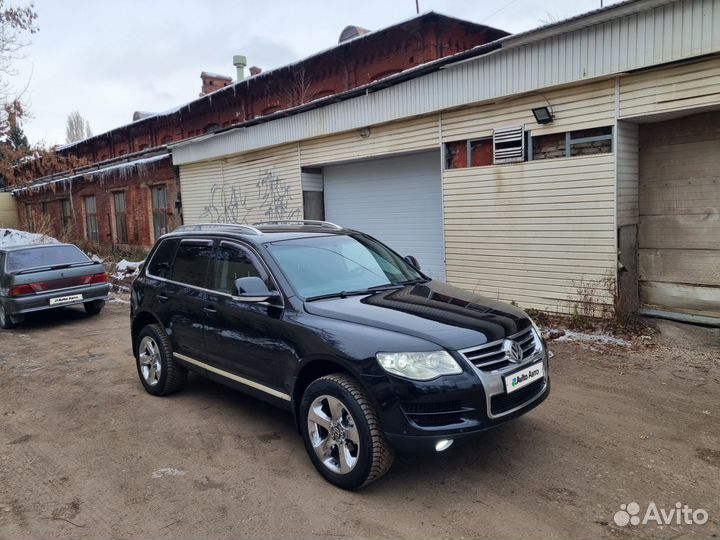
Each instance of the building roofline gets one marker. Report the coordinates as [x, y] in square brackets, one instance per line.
[248, 81]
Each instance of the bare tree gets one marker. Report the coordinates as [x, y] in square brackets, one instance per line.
[77, 128]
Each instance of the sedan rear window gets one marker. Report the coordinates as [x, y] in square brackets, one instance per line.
[46, 257]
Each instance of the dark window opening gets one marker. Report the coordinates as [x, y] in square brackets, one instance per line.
[584, 142]
[121, 229]
[469, 153]
[66, 212]
[159, 209]
[91, 224]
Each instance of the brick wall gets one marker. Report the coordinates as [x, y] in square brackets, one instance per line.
[137, 187]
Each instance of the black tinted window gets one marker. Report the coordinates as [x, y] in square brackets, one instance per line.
[162, 259]
[43, 257]
[191, 263]
[231, 264]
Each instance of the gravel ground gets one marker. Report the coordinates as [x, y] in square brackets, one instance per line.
[85, 452]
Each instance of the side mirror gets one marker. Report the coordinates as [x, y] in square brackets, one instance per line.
[253, 289]
[413, 262]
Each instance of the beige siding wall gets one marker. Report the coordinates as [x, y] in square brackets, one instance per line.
[578, 107]
[382, 140]
[534, 232]
[243, 189]
[672, 89]
[626, 147]
[8, 211]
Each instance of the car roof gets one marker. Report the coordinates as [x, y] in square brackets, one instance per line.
[261, 233]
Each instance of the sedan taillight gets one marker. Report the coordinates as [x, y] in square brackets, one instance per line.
[21, 290]
[94, 278]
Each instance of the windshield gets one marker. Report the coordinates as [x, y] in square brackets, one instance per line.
[334, 264]
[44, 257]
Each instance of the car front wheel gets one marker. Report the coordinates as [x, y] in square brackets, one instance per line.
[342, 434]
[159, 373]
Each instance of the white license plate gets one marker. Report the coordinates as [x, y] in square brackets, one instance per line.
[60, 300]
[521, 378]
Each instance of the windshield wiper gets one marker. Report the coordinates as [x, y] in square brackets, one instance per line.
[359, 292]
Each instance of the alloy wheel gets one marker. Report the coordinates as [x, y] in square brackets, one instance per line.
[333, 434]
[150, 361]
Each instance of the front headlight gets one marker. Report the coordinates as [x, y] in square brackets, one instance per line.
[420, 366]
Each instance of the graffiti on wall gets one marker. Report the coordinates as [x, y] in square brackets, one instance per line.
[233, 204]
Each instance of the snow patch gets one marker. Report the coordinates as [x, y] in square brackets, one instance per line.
[14, 237]
[604, 339]
[168, 472]
[126, 269]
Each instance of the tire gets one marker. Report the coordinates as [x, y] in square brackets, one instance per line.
[94, 307]
[159, 374]
[364, 462]
[6, 321]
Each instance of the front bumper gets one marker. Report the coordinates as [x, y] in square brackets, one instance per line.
[31, 303]
[416, 415]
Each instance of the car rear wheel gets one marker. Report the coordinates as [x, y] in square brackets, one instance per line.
[158, 371]
[6, 321]
[342, 434]
[94, 307]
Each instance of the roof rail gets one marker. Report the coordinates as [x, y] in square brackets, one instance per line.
[247, 229]
[310, 222]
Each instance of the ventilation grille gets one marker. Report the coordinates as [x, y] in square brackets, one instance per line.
[509, 144]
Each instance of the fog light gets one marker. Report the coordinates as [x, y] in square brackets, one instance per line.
[443, 444]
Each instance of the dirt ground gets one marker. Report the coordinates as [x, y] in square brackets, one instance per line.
[85, 452]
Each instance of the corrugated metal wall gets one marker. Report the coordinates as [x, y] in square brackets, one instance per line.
[8, 211]
[534, 232]
[577, 107]
[407, 136]
[672, 89]
[243, 189]
[626, 147]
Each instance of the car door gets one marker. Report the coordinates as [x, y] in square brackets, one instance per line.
[247, 339]
[186, 297]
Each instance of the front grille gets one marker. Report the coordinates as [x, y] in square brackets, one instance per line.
[491, 356]
[433, 414]
[504, 402]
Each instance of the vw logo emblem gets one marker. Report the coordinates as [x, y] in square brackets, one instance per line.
[513, 351]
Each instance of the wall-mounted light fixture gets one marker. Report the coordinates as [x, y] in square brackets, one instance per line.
[543, 115]
[364, 132]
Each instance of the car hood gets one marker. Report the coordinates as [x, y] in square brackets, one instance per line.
[451, 317]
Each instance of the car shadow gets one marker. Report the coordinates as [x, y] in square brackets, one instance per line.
[53, 317]
[496, 451]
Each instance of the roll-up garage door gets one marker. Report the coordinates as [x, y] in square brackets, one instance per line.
[397, 200]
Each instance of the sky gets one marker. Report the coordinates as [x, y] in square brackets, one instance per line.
[107, 59]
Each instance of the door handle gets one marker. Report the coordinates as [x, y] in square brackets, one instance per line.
[209, 310]
[162, 298]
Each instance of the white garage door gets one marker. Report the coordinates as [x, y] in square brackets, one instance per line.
[397, 200]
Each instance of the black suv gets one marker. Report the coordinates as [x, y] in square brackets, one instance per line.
[368, 353]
